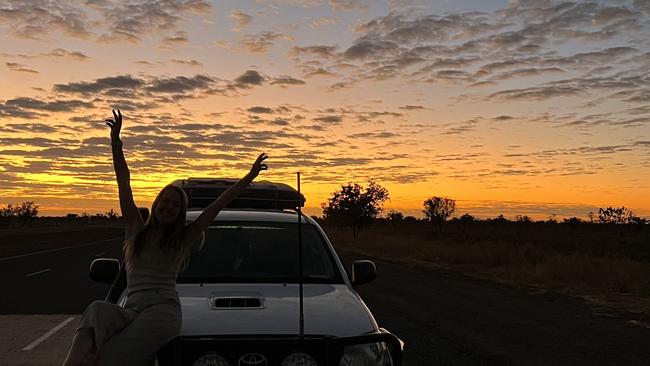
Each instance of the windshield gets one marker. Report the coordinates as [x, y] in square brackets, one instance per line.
[260, 252]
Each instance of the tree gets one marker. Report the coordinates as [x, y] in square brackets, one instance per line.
[438, 209]
[639, 220]
[610, 215]
[9, 211]
[499, 219]
[111, 214]
[467, 218]
[355, 206]
[572, 221]
[27, 210]
[395, 217]
[523, 219]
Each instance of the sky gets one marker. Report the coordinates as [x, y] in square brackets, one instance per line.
[520, 107]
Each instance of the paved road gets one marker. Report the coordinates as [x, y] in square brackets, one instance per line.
[54, 280]
[444, 318]
[449, 319]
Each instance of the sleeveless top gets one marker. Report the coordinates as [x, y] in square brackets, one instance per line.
[154, 268]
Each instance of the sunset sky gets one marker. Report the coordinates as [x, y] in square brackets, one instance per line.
[529, 107]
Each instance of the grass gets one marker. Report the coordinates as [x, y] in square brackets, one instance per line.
[610, 265]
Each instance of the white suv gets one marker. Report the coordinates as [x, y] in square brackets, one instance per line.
[244, 300]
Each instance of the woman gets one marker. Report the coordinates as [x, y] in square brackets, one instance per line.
[154, 253]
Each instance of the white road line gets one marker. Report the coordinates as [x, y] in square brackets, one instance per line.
[64, 248]
[45, 336]
[39, 272]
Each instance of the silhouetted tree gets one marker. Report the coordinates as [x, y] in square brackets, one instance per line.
[9, 211]
[411, 219]
[467, 218]
[573, 222]
[438, 209]
[499, 219]
[639, 220]
[72, 216]
[610, 215]
[394, 217]
[591, 216]
[355, 206]
[523, 219]
[111, 214]
[27, 211]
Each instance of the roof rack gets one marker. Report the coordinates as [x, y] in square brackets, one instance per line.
[258, 195]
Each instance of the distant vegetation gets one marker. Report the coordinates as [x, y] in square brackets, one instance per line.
[26, 213]
[354, 206]
[606, 257]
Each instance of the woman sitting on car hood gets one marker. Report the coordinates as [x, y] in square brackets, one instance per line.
[154, 253]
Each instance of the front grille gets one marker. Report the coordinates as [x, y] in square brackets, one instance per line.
[234, 350]
[325, 350]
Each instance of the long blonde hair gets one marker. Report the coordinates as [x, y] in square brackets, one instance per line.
[173, 242]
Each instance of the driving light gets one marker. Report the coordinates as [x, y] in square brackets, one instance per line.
[299, 359]
[369, 354]
[211, 359]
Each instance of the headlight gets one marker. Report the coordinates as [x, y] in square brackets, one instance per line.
[369, 354]
[299, 359]
[211, 359]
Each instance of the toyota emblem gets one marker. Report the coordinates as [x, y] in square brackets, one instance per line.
[252, 359]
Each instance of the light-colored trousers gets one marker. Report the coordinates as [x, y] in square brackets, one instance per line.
[133, 334]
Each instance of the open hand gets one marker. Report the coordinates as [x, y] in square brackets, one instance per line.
[115, 125]
[259, 165]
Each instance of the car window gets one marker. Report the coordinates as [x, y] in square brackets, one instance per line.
[260, 252]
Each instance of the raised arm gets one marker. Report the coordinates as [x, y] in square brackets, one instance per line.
[205, 219]
[129, 210]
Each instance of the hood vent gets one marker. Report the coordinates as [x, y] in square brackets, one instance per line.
[236, 303]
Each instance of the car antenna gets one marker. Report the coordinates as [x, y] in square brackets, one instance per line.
[302, 314]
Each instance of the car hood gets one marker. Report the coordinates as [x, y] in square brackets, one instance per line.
[331, 310]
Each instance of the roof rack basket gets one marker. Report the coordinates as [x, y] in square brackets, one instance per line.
[258, 195]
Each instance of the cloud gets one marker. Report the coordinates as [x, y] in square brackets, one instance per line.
[537, 93]
[19, 67]
[260, 42]
[241, 19]
[287, 80]
[347, 5]
[374, 135]
[520, 73]
[259, 109]
[130, 20]
[179, 38]
[249, 78]
[369, 48]
[330, 120]
[63, 53]
[29, 19]
[187, 62]
[101, 84]
[31, 127]
[32, 104]
[321, 51]
[470, 47]
[179, 84]
[409, 107]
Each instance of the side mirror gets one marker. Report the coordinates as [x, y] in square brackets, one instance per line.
[363, 271]
[104, 270]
